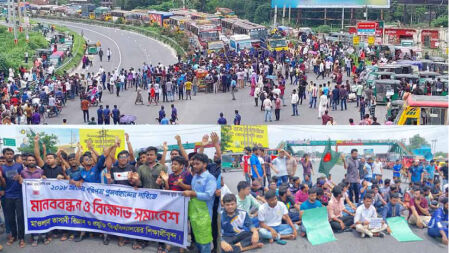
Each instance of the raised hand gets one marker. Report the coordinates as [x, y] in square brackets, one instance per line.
[214, 137]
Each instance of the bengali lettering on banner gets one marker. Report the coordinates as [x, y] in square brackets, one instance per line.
[145, 214]
[102, 138]
[247, 136]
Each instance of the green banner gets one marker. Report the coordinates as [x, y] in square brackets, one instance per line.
[317, 226]
[401, 231]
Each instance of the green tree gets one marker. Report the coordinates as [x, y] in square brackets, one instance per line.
[225, 141]
[416, 142]
[440, 21]
[262, 13]
[438, 154]
[49, 140]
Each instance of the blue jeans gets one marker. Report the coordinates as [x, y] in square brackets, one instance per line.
[295, 109]
[247, 178]
[282, 179]
[312, 102]
[334, 104]
[203, 248]
[343, 101]
[358, 100]
[268, 115]
[349, 209]
[283, 229]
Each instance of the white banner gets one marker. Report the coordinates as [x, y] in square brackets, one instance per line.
[145, 214]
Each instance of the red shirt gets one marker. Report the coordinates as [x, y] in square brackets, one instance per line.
[245, 164]
[423, 204]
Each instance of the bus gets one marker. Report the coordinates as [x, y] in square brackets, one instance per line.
[238, 42]
[118, 14]
[423, 110]
[203, 33]
[240, 26]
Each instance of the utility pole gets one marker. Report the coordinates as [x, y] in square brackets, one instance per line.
[14, 23]
[275, 15]
[342, 18]
[289, 14]
[283, 15]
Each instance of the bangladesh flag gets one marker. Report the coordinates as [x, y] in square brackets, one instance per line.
[328, 159]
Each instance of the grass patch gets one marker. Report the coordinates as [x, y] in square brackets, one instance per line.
[12, 55]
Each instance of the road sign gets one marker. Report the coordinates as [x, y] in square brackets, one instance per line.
[355, 40]
[366, 28]
[9, 142]
[371, 40]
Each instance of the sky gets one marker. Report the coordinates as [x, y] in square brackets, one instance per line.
[277, 133]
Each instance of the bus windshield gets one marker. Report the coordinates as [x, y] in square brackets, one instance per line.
[209, 35]
[278, 43]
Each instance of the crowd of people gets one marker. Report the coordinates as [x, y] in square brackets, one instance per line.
[272, 199]
[193, 173]
[266, 207]
[40, 90]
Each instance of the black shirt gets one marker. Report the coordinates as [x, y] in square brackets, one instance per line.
[120, 175]
[50, 172]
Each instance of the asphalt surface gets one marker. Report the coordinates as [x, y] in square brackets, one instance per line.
[130, 49]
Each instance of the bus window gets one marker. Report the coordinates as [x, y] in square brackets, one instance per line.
[433, 116]
[411, 121]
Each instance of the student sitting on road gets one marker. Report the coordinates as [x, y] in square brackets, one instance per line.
[335, 209]
[419, 209]
[285, 196]
[238, 232]
[246, 201]
[310, 203]
[271, 215]
[438, 223]
[393, 208]
[364, 215]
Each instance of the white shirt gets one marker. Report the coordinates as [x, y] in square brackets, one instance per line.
[295, 98]
[281, 165]
[377, 166]
[365, 214]
[267, 104]
[272, 216]
[323, 100]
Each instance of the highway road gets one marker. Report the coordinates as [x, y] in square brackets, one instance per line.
[130, 49]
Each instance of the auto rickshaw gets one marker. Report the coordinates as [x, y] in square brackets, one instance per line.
[373, 76]
[435, 91]
[429, 74]
[384, 89]
[407, 77]
[423, 110]
[92, 48]
[396, 68]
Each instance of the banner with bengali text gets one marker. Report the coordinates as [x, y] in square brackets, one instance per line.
[146, 214]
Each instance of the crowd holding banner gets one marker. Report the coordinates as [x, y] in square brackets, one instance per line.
[123, 211]
[182, 203]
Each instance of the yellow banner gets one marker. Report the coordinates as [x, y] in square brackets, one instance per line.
[102, 138]
[248, 136]
[355, 40]
[371, 40]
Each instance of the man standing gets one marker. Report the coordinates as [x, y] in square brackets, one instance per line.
[108, 54]
[174, 115]
[294, 101]
[107, 115]
[277, 107]
[280, 163]
[100, 115]
[257, 172]
[85, 109]
[116, 115]
[352, 174]
[11, 181]
[100, 54]
[313, 97]
[322, 107]
[204, 186]
[237, 118]
[267, 106]
[416, 172]
[221, 120]
[307, 166]
[343, 95]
